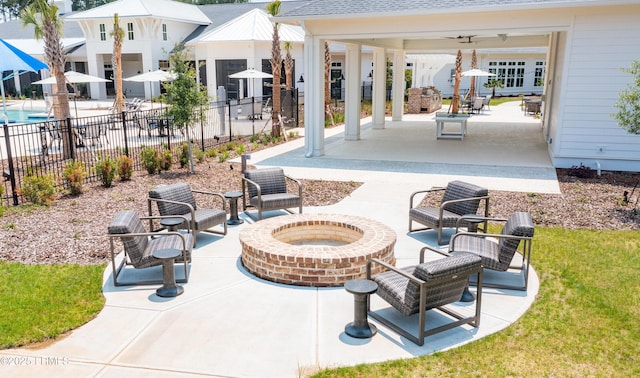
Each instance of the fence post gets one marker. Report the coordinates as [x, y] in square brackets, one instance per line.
[12, 172]
[71, 142]
[124, 131]
[202, 127]
[229, 105]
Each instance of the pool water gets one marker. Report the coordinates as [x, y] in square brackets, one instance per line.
[23, 116]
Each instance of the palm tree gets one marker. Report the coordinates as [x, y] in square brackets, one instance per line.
[48, 26]
[287, 108]
[472, 86]
[116, 61]
[455, 102]
[273, 8]
[327, 81]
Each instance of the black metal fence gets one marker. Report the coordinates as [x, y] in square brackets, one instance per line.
[46, 147]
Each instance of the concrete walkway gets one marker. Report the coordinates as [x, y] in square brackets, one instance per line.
[231, 324]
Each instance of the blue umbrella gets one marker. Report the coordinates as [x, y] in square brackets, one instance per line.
[14, 59]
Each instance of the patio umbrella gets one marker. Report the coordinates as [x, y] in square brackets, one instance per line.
[474, 73]
[14, 59]
[73, 77]
[152, 76]
[251, 74]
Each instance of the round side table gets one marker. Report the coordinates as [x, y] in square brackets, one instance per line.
[169, 287]
[360, 327]
[233, 208]
[171, 223]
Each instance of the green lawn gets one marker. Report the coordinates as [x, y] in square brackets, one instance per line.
[41, 302]
[584, 323]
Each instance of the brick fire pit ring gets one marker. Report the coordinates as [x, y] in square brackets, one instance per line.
[315, 249]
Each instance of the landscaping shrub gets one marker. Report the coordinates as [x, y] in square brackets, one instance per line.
[150, 159]
[166, 160]
[125, 167]
[106, 170]
[184, 154]
[198, 154]
[39, 190]
[74, 173]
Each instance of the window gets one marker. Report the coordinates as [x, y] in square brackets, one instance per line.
[164, 32]
[538, 77]
[130, 31]
[103, 32]
[511, 74]
[163, 65]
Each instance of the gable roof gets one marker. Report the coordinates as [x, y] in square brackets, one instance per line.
[255, 25]
[164, 9]
[336, 8]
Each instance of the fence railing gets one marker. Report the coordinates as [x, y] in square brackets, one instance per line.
[46, 147]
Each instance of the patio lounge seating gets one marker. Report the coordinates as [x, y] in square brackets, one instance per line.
[460, 198]
[477, 105]
[178, 199]
[487, 100]
[430, 285]
[266, 189]
[139, 246]
[498, 250]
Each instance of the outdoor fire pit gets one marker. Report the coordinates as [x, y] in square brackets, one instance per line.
[315, 249]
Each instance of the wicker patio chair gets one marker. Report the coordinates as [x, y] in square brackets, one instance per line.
[139, 245]
[178, 199]
[266, 189]
[430, 285]
[459, 198]
[498, 250]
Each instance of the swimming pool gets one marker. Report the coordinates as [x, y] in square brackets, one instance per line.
[23, 116]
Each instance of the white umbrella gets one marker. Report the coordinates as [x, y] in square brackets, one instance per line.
[73, 77]
[477, 72]
[251, 74]
[152, 76]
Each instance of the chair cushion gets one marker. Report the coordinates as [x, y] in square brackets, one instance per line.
[459, 190]
[276, 201]
[127, 222]
[428, 216]
[180, 192]
[404, 295]
[271, 181]
[206, 218]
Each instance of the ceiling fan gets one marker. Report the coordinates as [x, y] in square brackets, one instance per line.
[463, 38]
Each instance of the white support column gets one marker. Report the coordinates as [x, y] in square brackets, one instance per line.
[379, 87]
[314, 96]
[398, 86]
[96, 68]
[353, 94]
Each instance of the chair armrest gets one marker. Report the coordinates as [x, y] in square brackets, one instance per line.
[185, 246]
[433, 189]
[297, 182]
[152, 217]
[429, 248]
[219, 195]
[476, 235]
[255, 184]
[394, 269]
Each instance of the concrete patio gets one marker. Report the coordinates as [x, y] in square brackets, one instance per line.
[231, 324]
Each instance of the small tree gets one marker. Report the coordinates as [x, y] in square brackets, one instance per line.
[628, 104]
[493, 84]
[185, 96]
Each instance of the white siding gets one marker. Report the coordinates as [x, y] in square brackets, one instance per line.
[599, 46]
